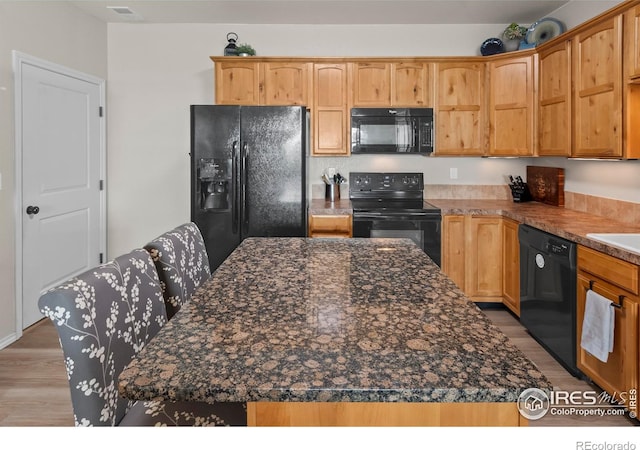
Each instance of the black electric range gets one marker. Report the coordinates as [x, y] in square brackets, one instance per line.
[392, 205]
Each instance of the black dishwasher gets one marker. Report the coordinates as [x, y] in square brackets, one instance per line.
[548, 293]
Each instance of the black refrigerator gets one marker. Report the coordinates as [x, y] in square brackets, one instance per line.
[248, 174]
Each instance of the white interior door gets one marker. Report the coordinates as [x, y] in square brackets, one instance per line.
[62, 211]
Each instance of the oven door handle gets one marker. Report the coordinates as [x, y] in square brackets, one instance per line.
[394, 216]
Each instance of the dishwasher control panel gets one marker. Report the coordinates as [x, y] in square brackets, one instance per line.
[557, 248]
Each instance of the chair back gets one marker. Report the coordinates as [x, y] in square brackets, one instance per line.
[182, 263]
[104, 317]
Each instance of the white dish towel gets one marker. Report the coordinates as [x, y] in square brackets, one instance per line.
[598, 326]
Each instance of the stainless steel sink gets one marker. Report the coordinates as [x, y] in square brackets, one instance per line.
[628, 241]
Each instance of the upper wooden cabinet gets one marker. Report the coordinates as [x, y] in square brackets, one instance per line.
[244, 82]
[631, 66]
[371, 83]
[330, 113]
[511, 107]
[381, 84]
[632, 43]
[577, 95]
[554, 100]
[238, 82]
[597, 77]
[286, 83]
[411, 84]
[460, 108]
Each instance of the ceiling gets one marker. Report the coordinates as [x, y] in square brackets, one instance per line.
[324, 11]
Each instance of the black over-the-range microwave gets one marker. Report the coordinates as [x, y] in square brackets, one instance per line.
[392, 130]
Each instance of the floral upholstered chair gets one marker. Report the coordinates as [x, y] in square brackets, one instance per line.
[104, 317]
[182, 262]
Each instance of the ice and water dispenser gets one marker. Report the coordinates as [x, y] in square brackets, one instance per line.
[214, 176]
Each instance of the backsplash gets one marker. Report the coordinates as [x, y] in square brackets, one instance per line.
[440, 191]
[619, 210]
[467, 191]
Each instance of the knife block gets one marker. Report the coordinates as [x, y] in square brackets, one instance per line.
[520, 193]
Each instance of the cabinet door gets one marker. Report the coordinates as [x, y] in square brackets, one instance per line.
[453, 248]
[460, 114]
[511, 107]
[631, 64]
[554, 100]
[597, 60]
[483, 274]
[238, 83]
[619, 373]
[632, 43]
[511, 266]
[321, 225]
[330, 110]
[286, 83]
[410, 84]
[371, 84]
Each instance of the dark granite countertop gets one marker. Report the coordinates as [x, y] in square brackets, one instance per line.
[362, 320]
[567, 223]
[321, 206]
[563, 222]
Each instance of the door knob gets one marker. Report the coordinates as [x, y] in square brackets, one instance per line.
[33, 210]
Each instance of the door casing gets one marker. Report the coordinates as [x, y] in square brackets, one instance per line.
[19, 59]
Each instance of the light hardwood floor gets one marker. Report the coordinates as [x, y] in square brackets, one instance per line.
[557, 375]
[34, 390]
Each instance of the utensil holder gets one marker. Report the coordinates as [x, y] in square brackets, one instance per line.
[332, 192]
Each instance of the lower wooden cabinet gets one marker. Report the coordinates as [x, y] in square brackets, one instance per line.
[617, 281]
[511, 265]
[330, 225]
[472, 249]
[453, 248]
[481, 254]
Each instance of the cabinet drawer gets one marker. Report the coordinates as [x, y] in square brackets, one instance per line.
[330, 225]
[615, 271]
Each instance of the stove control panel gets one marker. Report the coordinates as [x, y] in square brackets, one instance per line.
[376, 181]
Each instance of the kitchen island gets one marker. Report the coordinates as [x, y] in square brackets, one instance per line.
[336, 332]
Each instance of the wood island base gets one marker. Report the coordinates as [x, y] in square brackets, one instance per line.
[383, 414]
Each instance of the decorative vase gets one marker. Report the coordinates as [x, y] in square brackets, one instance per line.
[230, 49]
[511, 45]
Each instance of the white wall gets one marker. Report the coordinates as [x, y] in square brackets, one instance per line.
[61, 34]
[614, 179]
[577, 12]
[157, 71]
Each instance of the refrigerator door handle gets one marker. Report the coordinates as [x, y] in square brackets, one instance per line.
[236, 194]
[244, 176]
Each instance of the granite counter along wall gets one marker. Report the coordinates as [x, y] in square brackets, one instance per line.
[622, 211]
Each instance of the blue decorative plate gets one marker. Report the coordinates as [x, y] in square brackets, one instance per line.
[492, 46]
[543, 30]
